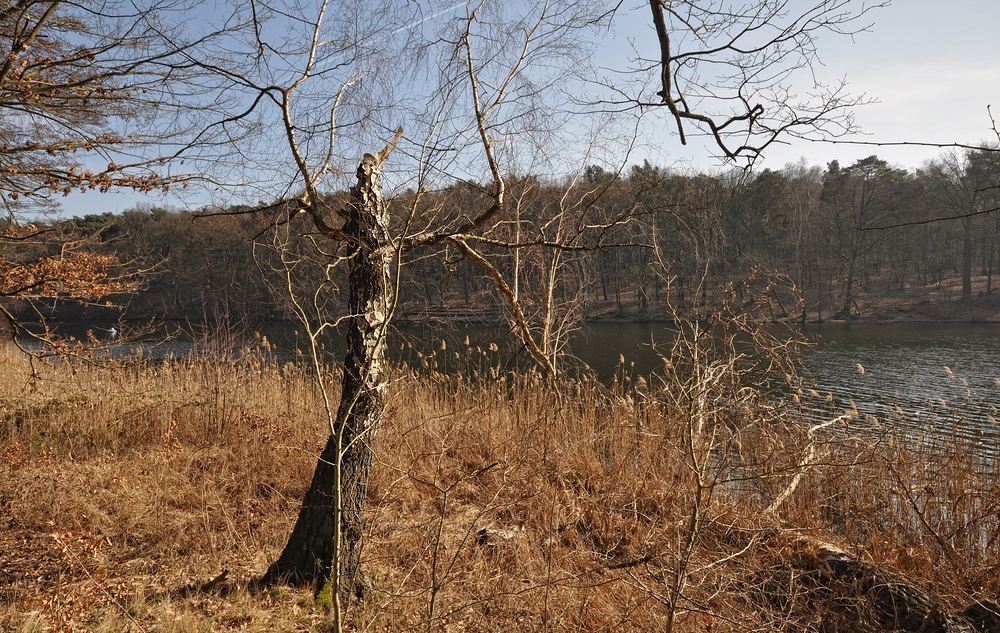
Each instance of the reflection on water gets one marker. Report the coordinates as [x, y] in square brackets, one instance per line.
[944, 376]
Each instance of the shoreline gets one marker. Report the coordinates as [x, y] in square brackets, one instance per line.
[930, 306]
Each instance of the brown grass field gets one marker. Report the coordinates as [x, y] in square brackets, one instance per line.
[697, 503]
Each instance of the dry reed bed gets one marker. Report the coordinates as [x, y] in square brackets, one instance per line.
[124, 487]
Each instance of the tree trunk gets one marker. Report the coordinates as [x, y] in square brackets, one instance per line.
[341, 476]
[845, 312]
[989, 266]
[618, 282]
[967, 242]
[861, 590]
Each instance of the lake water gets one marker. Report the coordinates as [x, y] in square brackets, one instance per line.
[944, 375]
[942, 379]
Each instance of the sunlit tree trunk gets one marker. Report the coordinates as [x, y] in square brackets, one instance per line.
[340, 481]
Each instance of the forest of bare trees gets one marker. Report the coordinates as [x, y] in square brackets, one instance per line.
[829, 233]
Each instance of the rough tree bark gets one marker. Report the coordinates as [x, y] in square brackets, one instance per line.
[340, 482]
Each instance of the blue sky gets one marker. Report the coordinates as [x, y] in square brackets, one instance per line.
[932, 66]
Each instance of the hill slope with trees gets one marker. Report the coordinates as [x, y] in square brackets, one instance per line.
[866, 241]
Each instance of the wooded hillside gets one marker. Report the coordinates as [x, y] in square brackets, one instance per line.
[857, 241]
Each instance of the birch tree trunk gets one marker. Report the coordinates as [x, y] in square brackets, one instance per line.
[340, 482]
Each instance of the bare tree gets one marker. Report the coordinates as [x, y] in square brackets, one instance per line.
[804, 192]
[478, 92]
[742, 73]
[862, 196]
[961, 185]
[478, 89]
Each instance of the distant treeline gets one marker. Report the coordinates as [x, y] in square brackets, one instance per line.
[820, 236]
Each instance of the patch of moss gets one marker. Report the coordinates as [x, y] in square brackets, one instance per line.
[324, 598]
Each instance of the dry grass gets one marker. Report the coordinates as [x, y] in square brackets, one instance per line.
[126, 488]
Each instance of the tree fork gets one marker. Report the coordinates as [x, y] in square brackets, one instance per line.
[340, 481]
